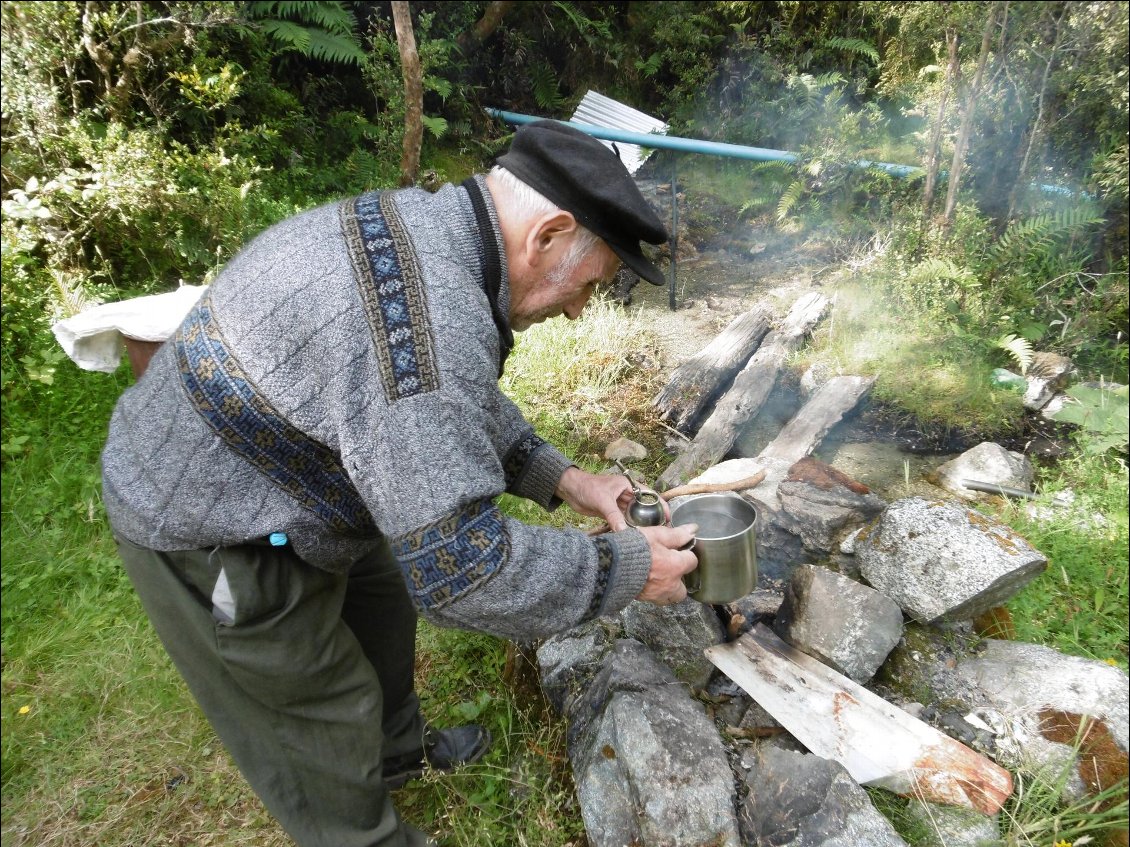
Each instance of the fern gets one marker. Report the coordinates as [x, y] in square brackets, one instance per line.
[288, 34]
[545, 91]
[325, 31]
[1019, 348]
[337, 49]
[854, 45]
[1038, 235]
[932, 270]
[436, 126]
[789, 199]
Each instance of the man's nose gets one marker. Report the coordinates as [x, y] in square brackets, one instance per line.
[573, 309]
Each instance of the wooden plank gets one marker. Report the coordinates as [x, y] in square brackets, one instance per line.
[836, 718]
[700, 379]
[824, 410]
[748, 393]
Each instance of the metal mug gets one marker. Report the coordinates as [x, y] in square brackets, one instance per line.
[724, 545]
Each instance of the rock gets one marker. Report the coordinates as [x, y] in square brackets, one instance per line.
[987, 462]
[949, 826]
[820, 504]
[623, 449]
[1038, 393]
[651, 769]
[847, 546]
[846, 625]
[569, 661]
[944, 561]
[1028, 678]
[677, 635]
[759, 606]
[798, 800]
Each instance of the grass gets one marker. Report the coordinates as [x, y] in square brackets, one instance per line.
[1080, 604]
[930, 376]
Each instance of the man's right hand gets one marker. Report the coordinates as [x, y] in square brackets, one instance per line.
[664, 584]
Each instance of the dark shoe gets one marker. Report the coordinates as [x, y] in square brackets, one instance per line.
[444, 750]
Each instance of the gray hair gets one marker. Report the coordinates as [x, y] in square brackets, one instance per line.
[525, 204]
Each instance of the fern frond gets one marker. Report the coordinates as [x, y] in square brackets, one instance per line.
[288, 34]
[829, 79]
[789, 199]
[332, 15]
[545, 90]
[339, 49]
[436, 126]
[934, 269]
[1019, 348]
[854, 45]
[1037, 235]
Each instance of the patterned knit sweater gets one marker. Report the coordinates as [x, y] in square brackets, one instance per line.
[339, 381]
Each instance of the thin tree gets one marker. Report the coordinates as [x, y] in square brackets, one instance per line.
[413, 93]
[967, 112]
[1036, 132]
[933, 157]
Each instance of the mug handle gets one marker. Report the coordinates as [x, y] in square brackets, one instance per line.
[692, 580]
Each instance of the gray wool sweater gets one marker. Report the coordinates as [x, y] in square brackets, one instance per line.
[339, 382]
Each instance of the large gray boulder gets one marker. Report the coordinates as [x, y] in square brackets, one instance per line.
[944, 561]
[650, 767]
[801, 800]
[846, 625]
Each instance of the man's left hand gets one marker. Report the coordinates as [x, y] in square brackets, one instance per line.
[604, 496]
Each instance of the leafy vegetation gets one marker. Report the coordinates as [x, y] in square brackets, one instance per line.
[143, 143]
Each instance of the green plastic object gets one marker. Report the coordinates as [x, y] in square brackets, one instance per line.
[1007, 379]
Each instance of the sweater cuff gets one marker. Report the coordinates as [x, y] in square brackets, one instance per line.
[630, 569]
[542, 475]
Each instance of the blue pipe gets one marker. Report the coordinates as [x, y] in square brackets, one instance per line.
[735, 151]
[693, 145]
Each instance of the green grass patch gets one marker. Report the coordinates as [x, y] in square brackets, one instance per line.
[923, 370]
[1080, 604]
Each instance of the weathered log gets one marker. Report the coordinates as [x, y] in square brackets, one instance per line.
[708, 373]
[745, 398]
[824, 410]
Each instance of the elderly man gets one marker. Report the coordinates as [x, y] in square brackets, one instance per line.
[314, 458]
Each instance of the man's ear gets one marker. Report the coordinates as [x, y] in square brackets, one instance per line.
[547, 234]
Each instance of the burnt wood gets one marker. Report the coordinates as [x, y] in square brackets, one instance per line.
[707, 374]
[747, 394]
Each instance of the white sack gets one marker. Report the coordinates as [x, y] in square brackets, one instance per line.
[93, 338]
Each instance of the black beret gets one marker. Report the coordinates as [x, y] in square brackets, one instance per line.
[580, 175]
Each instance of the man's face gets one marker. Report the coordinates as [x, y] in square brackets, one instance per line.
[566, 293]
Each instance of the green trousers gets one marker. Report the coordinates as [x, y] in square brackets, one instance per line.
[306, 676]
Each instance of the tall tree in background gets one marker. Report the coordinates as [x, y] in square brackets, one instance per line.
[413, 93]
[933, 154]
[968, 110]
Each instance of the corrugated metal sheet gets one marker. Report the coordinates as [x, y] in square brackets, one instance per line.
[597, 110]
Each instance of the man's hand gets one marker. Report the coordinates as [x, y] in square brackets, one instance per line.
[596, 495]
[664, 584]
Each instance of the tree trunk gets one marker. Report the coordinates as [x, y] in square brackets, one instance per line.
[413, 93]
[470, 41]
[1020, 186]
[967, 115]
[934, 156]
